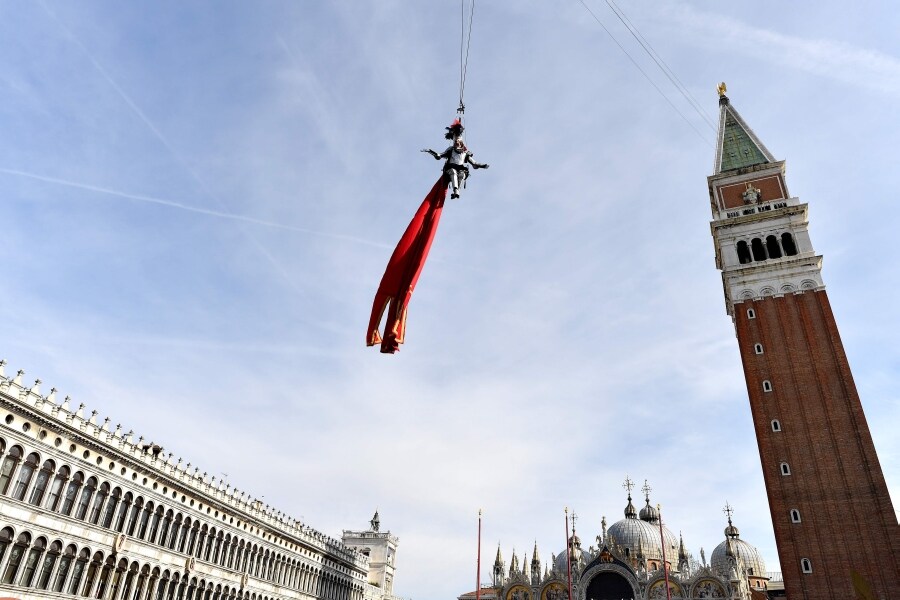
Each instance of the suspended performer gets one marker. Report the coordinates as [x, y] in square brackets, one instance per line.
[457, 157]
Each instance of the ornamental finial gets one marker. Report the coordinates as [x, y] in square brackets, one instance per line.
[722, 88]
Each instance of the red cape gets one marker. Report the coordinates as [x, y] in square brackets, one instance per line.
[402, 272]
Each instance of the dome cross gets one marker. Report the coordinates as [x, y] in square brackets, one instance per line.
[728, 510]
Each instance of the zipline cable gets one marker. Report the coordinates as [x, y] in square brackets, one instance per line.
[644, 73]
[465, 40]
[667, 71]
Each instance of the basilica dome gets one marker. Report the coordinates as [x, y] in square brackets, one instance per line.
[642, 534]
[749, 555]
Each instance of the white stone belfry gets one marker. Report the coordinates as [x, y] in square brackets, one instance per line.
[381, 548]
[761, 232]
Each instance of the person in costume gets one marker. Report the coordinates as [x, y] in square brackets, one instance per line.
[457, 158]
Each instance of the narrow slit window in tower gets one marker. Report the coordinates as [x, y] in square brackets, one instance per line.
[805, 565]
[776, 425]
[758, 348]
[795, 515]
[785, 469]
[767, 386]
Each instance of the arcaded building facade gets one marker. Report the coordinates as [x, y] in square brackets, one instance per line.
[88, 511]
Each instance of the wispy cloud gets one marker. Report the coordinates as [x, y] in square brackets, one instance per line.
[190, 208]
[833, 59]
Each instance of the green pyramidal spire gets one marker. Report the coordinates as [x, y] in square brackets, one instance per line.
[737, 146]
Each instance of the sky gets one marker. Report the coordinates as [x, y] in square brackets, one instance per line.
[198, 201]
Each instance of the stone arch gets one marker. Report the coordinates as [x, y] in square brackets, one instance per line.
[8, 466]
[44, 476]
[57, 487]
[608, 581]
[25, 475]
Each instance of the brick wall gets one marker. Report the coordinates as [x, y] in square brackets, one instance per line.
[847, 522]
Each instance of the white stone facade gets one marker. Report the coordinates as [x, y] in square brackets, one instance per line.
[381, 549]
[86, 511]
[764, 248]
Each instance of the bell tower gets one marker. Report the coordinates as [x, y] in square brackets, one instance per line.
[835, 526]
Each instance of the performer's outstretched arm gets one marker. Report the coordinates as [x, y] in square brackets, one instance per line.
[433, 153]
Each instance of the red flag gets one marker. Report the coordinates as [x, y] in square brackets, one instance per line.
[402, 272]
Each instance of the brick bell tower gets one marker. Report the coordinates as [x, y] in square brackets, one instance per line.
[835, 526]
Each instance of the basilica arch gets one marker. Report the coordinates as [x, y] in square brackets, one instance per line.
[608, 581]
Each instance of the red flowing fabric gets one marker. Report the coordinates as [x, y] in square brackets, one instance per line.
[402, 272]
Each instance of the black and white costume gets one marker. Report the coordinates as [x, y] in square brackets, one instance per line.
[457, 157]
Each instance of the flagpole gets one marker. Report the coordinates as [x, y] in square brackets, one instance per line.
[662, 540]
[478, 568]
[568, 555]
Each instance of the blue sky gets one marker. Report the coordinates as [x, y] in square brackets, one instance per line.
[198, 201]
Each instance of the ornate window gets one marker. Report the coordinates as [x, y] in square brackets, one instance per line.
[124, 509]
[174, 533]
[85, 499]
[26, 472]
[8, 466]
[65, 563]
[62, 476]
[78, 570]
[135, 513]
[32, 562]
[184, 535]
[5, 540]
[40, 485]
[164, 530]
[72, 493]
[210, 541]
[105, 576]
[145, 519]
[109, 513]
[15, 557]
[173, 586]
[154, 524]
[97, 508]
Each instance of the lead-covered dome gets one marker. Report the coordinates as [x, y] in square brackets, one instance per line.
[642, 535]
[747, 553]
